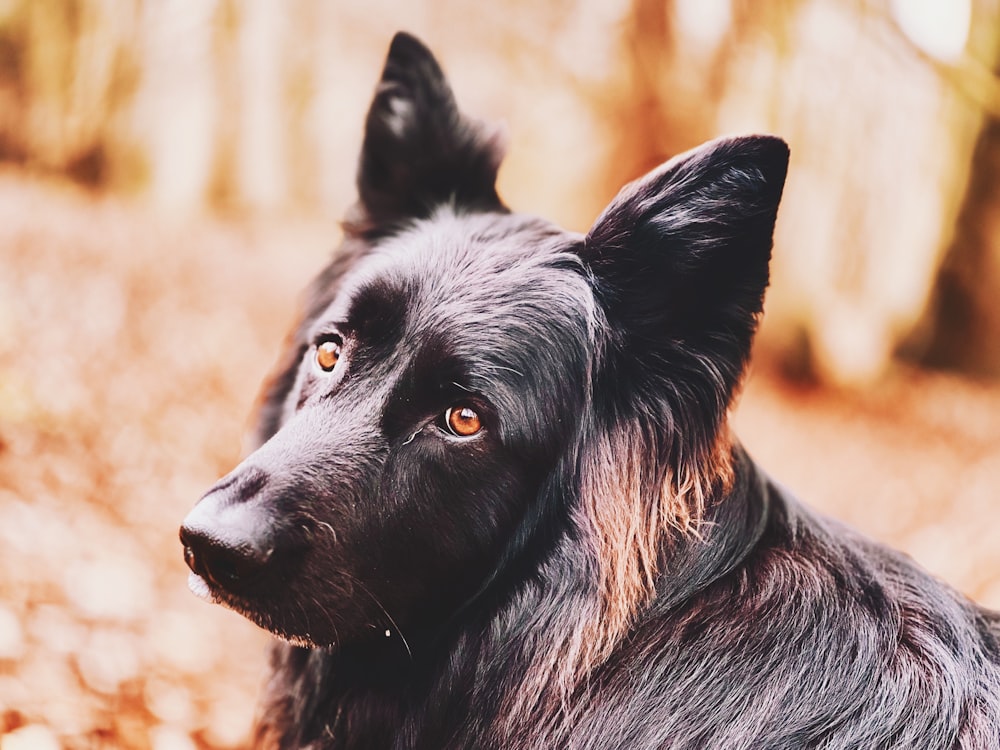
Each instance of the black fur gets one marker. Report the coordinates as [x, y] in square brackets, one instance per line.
[601, 566]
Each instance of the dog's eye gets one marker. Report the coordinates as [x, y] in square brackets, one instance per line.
[328, 354]
[462, 421]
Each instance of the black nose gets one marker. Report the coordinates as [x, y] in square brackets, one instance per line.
[220, 562]
[229, 536]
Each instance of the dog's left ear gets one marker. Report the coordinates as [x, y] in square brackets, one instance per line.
[680, 261]
[419, 150]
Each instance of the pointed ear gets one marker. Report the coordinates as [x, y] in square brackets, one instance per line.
[679, 264]
[419, 150]
[680, 261]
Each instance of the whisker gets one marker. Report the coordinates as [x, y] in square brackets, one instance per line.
[389, 617]
[329, 619]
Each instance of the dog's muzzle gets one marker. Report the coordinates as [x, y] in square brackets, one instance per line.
[228, 540]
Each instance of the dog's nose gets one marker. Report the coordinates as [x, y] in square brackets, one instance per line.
[220, 562]
[228, 539]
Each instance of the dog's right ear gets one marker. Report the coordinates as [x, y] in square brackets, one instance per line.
[680, 260]
[679, 264]
[419, 150]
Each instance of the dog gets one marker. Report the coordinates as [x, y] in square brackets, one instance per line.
[495, 502]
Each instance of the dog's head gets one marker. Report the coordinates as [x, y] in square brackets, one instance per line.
[468, 384]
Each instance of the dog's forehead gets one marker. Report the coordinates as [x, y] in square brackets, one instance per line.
[491, 252]
[469, 272]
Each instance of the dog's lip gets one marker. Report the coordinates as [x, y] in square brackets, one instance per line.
[204, 590]
[200, 588]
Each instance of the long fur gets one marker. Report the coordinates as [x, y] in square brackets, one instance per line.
[602, 565]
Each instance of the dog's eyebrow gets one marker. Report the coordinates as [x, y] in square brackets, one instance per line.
[328, 328]
[377, 310]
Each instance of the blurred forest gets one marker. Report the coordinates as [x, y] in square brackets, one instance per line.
[172, 172]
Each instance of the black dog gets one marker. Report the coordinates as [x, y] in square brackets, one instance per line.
[496, 503]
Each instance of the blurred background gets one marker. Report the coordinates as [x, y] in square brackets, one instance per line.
[172, 172]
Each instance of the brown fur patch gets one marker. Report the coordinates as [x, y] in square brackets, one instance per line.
[631, 512]
[629, 517]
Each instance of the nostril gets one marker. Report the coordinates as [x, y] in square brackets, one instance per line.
[191, 559]
[228, 567]
[219, 562]
[195, 544]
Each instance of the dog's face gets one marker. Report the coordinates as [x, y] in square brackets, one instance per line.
[436, 392]
[425, 436]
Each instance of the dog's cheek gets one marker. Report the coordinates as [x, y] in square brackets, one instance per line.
[323, 594]
[441, 522]
[330, 599]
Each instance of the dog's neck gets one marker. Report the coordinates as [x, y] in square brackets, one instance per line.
[731, 528]
[363, 696]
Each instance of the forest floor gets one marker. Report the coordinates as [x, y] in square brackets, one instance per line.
[131, 350]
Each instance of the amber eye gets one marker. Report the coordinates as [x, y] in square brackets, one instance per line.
[462, 421]
[327, 355]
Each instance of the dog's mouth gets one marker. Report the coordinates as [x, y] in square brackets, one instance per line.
[209, 591]
[200, 588]
[264, 584]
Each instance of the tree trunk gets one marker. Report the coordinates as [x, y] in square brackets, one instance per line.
[962, 327]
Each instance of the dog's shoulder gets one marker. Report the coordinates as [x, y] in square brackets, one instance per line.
[817, 633]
